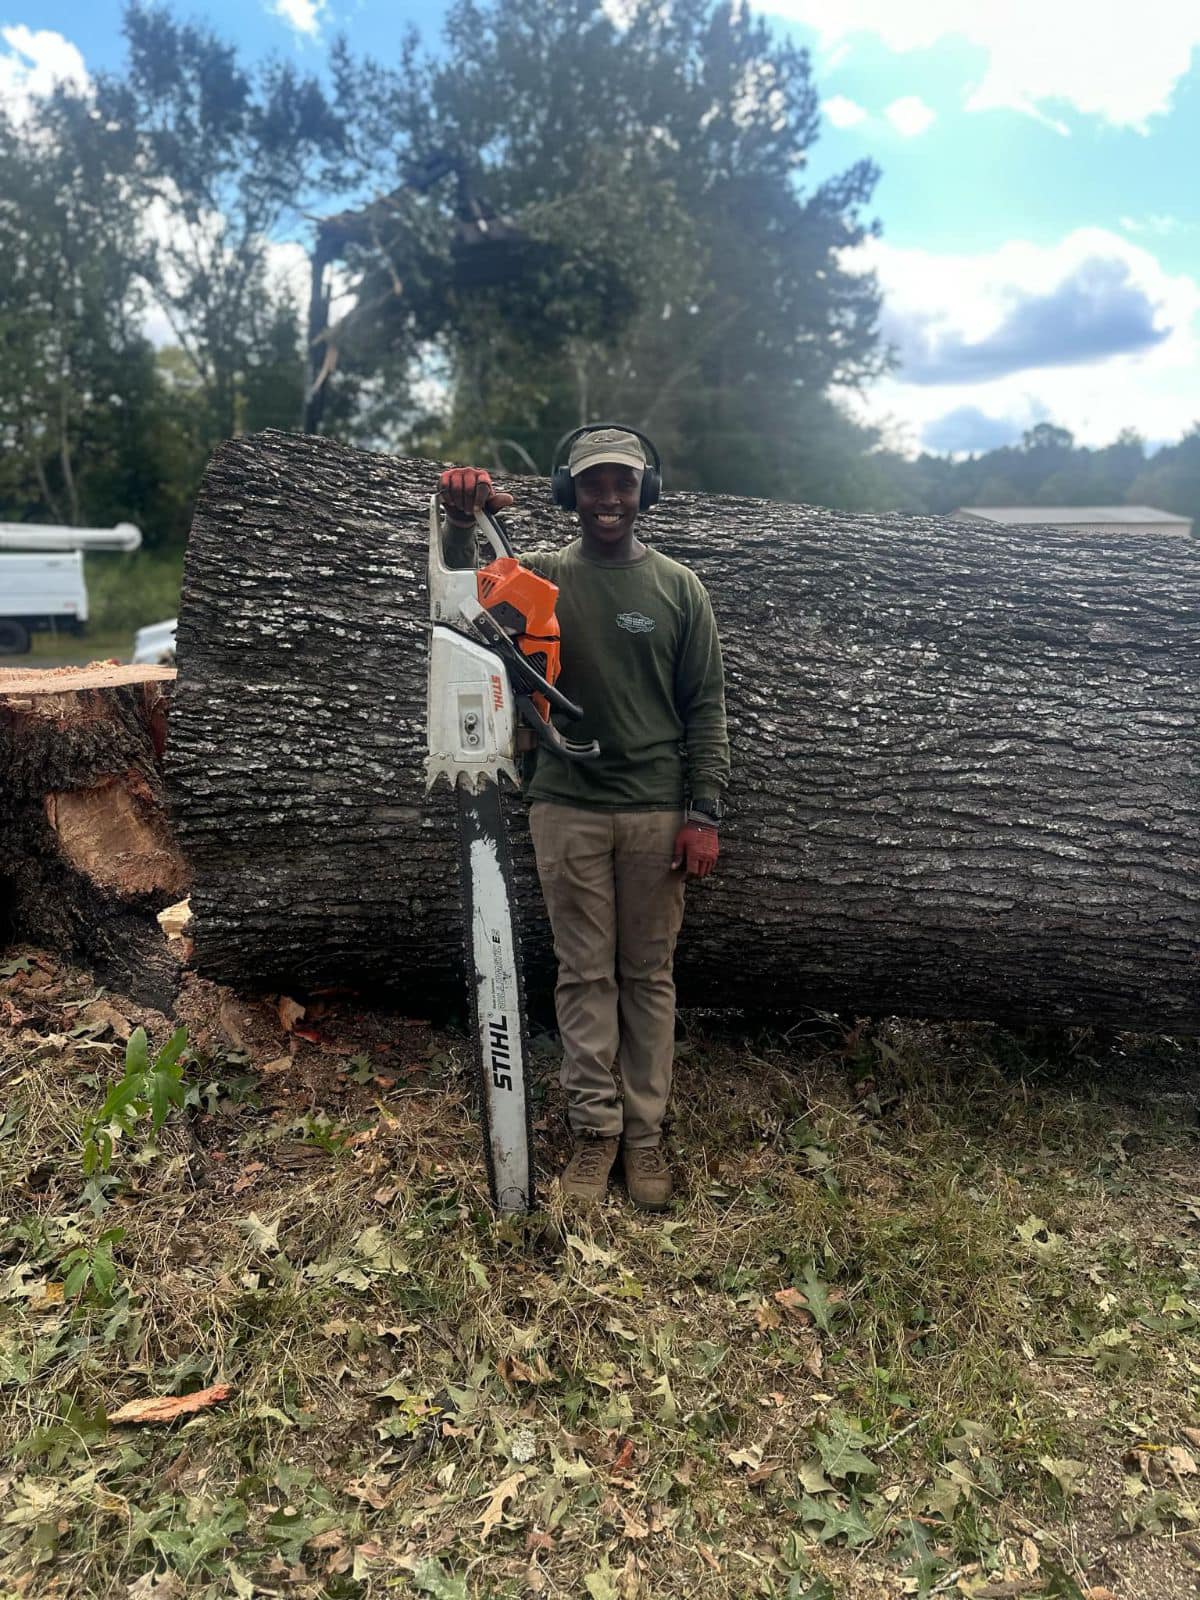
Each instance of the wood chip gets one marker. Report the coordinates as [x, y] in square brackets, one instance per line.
[174, 919]
[166, 1408]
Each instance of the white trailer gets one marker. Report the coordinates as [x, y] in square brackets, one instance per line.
[42, 585]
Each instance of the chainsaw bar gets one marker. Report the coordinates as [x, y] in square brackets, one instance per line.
[496, 987]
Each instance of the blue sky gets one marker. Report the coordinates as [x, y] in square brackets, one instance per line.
[1040, 255]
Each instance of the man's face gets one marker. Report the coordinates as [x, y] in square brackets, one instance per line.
[606, 498]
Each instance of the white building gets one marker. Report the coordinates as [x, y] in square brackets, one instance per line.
[1082, 519]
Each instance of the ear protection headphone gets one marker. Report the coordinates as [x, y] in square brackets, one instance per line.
[562, 484]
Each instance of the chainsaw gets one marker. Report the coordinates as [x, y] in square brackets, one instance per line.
[494, 656]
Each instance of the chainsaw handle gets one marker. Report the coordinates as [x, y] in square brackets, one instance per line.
[494, 534]
[524, 677]
[548, 734]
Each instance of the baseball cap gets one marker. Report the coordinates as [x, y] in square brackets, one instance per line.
[605, 444]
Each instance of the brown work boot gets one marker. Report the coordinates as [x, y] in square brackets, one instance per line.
[648, 1178]
[585, 1176]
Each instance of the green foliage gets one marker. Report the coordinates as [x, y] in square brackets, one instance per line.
[696, 288]
[149, 1088]
[91, 1267]
[125, 592]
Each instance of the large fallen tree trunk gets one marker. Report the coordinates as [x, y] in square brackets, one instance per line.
[965, 757]
[86, 854]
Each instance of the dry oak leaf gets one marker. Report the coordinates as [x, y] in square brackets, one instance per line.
[1182, 1462]
[290, 1012]
[766, 1317]
[795, 1304]
[165, 1408]
[496, 1502]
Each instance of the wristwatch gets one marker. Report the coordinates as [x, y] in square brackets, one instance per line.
[704, 809]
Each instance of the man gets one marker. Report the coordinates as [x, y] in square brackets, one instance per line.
[616, 837]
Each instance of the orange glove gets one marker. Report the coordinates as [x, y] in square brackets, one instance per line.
[466, 490]
[696, 845]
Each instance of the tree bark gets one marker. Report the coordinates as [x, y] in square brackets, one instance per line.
[87, 856]
[965, 757]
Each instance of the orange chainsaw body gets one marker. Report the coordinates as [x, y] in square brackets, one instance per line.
[522, 603]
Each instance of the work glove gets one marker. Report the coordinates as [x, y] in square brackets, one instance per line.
[466, 490]
[696, 848]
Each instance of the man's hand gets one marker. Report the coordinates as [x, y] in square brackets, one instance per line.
[466, 490]
[696, 847]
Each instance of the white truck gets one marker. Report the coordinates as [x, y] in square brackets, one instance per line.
[42, 586]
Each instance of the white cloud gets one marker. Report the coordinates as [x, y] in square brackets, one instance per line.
[1159, 223]
[842, 112]
[1103, 57]
[909, 115]
[970, 324]
[33, 64]
[302, 15]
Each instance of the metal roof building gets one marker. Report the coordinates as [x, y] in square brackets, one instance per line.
[1082, 519]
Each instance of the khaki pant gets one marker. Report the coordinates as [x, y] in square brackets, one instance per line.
[615, 908]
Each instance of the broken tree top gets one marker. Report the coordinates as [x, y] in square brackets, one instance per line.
[965, 757]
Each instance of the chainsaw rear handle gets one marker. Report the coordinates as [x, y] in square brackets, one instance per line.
[548, 734]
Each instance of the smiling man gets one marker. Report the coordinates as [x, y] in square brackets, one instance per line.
[616, 838]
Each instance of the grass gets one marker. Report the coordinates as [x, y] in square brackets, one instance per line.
[126, 592]
[923, 1321]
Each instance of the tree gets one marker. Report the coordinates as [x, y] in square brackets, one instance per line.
[75, 366]
[964, 777]
[221, 160]
[696, 290]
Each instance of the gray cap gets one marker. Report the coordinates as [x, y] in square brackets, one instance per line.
[605, 444]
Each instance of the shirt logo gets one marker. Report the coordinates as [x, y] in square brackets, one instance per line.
[635, 622]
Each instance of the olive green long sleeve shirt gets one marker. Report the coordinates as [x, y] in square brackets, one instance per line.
[640, 654]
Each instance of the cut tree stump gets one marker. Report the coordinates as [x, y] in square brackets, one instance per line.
[87, 856]
[965, 757]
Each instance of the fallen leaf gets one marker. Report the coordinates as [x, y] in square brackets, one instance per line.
[1192, 1435]
[157, 1586]
[766, 1317]
[624, 1458]
[1067, 1473]
[313, 1035]
[634, 1527]
[536, 1540]
[370, 1491]
[589, 1251]
[499, 1498]
[262, 1235]
[290, 1012]
[813, 1360]
[795, 1305]
[1178, 1460]
[165, 1408]
[511, 1369]
[102, 1017]
[277, 1064]
[750, 1458]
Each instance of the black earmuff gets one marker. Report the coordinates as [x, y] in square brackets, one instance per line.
[562, 484]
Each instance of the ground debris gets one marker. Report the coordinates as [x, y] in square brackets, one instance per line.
[932, 1350]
